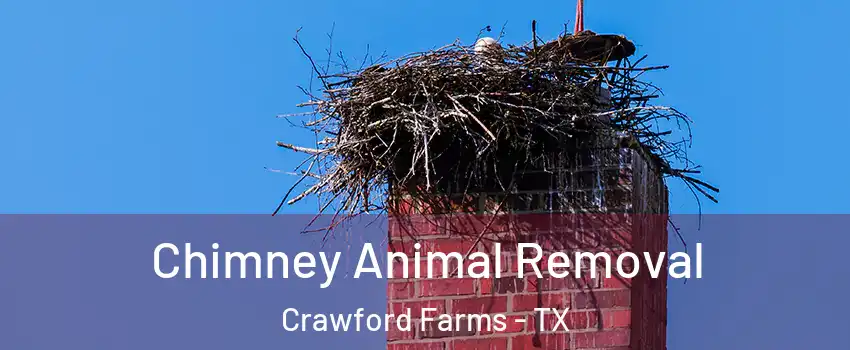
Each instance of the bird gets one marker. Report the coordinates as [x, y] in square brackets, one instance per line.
[485, 44]
[489, 53]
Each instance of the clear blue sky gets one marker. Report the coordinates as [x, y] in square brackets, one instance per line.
[169, 106]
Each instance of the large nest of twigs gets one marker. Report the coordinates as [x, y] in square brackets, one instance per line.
[453, 120]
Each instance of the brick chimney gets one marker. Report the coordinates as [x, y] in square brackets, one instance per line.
[611, 200]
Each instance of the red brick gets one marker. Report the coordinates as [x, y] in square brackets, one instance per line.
[621, 237]
[502, 285]
[616, 282]
[511, 325]
[532, 283]
[416, 307]
[480, 305]
[417, 346]
[602, 299]
[577, 320]
[443, 245]
[554, 341]
[528, 302]
[601, 339]
[407, 247]
[616, 318]
[446, 287]
[486, 286]
[432, 329]
[471, 224]
[481, 344]
[401, 290]
[549, 283]
[447, 245]
[415, 226]
[426, 225]
[523, 342]
[508, 263]
[436, 268]
[394, 333]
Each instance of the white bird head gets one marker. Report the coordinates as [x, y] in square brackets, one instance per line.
[486, 43]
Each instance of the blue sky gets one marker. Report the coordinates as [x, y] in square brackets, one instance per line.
[169, 106]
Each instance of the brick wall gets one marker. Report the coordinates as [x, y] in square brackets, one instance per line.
[612, 205]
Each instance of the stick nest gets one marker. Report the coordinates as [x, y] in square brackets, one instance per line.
[451, 120]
